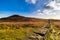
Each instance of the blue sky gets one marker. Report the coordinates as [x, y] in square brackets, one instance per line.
[21, 7]
[31, 8]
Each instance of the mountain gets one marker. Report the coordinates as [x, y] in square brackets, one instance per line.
[18, 18]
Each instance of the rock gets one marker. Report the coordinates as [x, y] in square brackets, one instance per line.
[36, 37]
[38, 34]
[41, 31]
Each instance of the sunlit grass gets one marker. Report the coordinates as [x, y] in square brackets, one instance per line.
[18, 31]
[7, 34]
[54, 33]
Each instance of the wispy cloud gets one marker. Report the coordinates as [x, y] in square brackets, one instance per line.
[31, 1]
[51, 11]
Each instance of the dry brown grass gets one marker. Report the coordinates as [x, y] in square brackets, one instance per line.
[39, 24]
[57, 23]
[18, 30]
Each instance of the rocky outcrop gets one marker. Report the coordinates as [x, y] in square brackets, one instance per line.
[39, 34]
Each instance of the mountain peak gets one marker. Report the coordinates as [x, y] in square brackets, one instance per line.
[15, 16]
[18, 18]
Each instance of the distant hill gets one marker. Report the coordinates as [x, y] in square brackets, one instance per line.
[18, 18]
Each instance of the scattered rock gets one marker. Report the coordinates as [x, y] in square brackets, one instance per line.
[39, 34]
[41, 31]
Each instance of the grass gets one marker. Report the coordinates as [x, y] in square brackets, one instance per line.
[54, 33]
[15, 31]
[7, 34]
[18, 31]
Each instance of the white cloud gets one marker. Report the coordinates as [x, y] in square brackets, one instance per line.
[50, 13]
[55, 5]
[31, 1]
